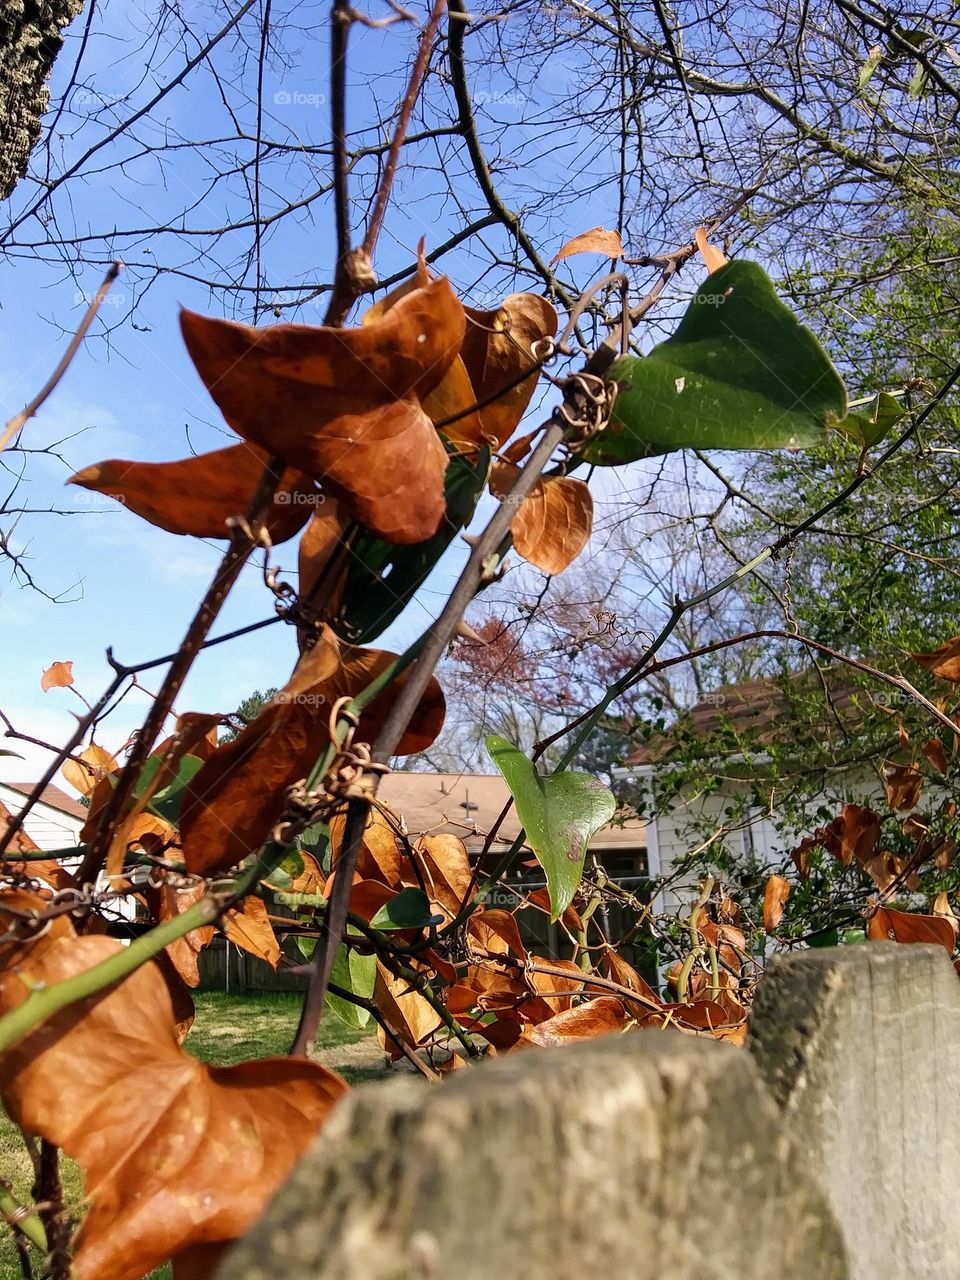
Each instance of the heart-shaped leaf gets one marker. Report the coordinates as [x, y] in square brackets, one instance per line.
[188, 1157]
[554, 521]
[741, 372]
[560, 813]
[231, 805]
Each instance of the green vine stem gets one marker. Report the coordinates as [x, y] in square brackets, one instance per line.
[21, 1219]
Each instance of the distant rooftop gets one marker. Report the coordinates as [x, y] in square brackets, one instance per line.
[756, 710]
[468, 804]
[51, 796]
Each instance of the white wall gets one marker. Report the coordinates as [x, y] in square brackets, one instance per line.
[47, 827]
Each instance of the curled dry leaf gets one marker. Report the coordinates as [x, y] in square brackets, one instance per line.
[713, 258]
[232, 804]
[381, 857]
[497, 351]
[553, 522]
[344, 405]
[853, 835]
[248, 927]
[943, 662]
[167, 901]
[319, 584]
[934, 751]
[188, 1157]
[903, 783]
[775, 895]
[199, 495]
[405, 1011]
[907, 926]
[582, 1022]
[596, 240]
[445, 869]
[59, 675]
[97, 764]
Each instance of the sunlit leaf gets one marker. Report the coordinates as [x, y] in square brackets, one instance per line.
[596, 240]
[344, 405]
[233, 803]
[553, 522]
[907, 926]
[248, 927]
[408, 1014]
[97, 764]
[713, 258]
[943, 662]
[58, 675]
[775, 895]
[560, 813]
[934, 751]
[583, 1022]
[357, 974]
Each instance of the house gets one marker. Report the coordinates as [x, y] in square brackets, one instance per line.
[469, 804]
[55, 820]
[734, 730]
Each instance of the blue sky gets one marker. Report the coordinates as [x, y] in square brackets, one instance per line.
[134, 393]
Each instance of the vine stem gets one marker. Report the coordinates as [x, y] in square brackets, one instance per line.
[428, 649]
[44, 1001]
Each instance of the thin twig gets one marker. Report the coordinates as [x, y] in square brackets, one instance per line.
[27, 412]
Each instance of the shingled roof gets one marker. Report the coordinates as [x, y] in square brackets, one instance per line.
[757, 711]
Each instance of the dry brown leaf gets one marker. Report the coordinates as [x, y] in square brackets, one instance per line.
[445, 868]
[557, 988]
[583, 1022]
[189, 1156]
[540, 898]
[596, 240]
[775, 895]
[198, 495]
[344, 405]
[59, 675]
[903, 783]
[943, 662]
[406, 1011]
[853, 835]
[248, 927]
[321, 539]
[231, 805]
[167, 901]
[801, 855]
[713, 258]
[97, 764]
[554, 521]
[934, 751]
[381, 856]
[908, 926]
[613, 966]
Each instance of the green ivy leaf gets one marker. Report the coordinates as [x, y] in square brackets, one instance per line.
[560, 815]
[869, 429]
[383, 576]
[868, 69]
[410, 909]
[741, 372]
[166, 802]
[354, 973]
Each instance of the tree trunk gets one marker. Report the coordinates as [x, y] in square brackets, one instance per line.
[30, 40]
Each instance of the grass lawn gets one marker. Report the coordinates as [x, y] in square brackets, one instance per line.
[228, 1029]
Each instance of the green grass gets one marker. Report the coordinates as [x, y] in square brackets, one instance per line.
[228, 1029]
